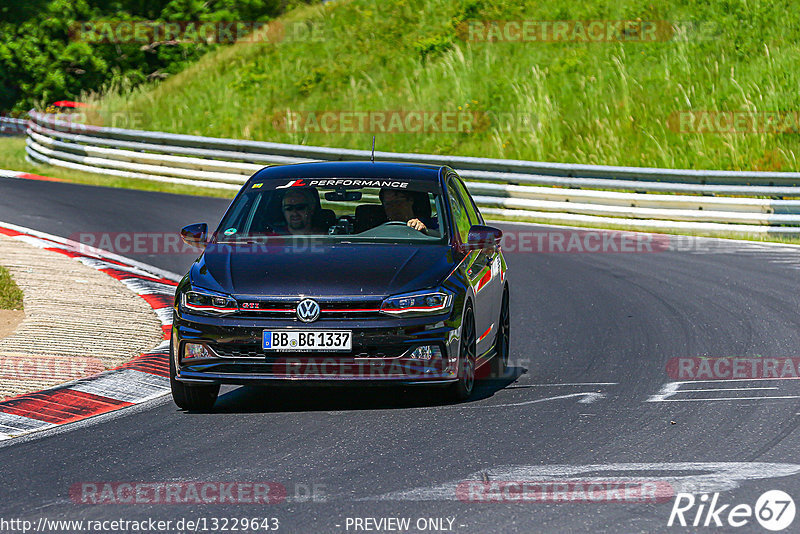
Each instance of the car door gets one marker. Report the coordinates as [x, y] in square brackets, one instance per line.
[477, 266]
[494, 286]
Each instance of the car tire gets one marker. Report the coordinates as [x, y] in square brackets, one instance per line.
[502, 347]
[462, 389]
[193, 398]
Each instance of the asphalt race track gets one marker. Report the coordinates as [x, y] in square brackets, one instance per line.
[592, 334]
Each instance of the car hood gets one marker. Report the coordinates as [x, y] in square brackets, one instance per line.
[333, 270]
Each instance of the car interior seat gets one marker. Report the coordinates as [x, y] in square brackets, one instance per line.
[369, 216]
[323, 219]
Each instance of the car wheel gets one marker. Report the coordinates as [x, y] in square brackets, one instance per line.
[462, 389]
[501, 343]
[195, 398]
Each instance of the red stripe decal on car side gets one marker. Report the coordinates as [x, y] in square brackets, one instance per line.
[485, 333]
[484, 280]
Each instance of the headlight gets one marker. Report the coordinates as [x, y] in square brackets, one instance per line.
[422, 303]
[208, 302]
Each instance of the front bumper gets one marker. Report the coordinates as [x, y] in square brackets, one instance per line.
[381, 352]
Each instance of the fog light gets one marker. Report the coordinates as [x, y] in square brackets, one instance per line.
[195, 350]
[426, 353]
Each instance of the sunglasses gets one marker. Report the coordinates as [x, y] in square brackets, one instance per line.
[293, 207]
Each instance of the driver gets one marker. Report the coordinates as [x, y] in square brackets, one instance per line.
[298, 207]
[399, 206]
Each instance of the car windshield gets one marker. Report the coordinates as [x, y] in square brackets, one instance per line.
[336, 209]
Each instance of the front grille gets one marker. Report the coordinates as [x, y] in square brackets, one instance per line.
[329, 309]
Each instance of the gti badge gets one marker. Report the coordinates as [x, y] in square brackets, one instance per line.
[308, 311]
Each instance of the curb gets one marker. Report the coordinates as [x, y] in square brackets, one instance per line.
[144, 378]
[27, 176]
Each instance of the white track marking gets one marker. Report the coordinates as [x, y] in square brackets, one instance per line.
[147, 287]
[102, 264]
[726, 389]
[164, 315]
[127, 385]
[587, 398]
[162, 347]
[671, 389]
[39, 243]
[732, 398]
[710, 477]
[565, 384]
[17, 423]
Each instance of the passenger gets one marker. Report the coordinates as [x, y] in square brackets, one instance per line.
[299, 207]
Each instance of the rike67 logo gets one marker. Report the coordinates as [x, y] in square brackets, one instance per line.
[774, 510]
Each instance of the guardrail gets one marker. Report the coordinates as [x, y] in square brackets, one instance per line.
[631, 197]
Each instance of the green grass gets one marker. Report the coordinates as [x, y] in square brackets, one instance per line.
[597, 103]
[12, 157]
[10, 294]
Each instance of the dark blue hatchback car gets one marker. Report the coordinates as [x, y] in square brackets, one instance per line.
[342, 273]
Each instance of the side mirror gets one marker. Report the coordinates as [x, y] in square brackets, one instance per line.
[195, 235]
[484, 238]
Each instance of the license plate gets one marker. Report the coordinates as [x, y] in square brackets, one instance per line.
[308, 340]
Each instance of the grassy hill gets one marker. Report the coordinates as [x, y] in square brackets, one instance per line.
[610, 102]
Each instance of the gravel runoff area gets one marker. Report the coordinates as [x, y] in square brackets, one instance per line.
[78, 321]
[9, 320]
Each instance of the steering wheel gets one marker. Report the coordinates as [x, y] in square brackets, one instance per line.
[394, 223]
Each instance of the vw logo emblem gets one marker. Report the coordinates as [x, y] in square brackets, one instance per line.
[308, 311]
